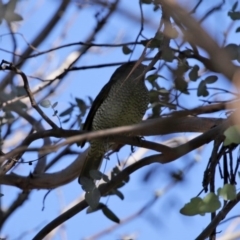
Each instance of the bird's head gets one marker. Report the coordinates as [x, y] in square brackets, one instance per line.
[134, 69]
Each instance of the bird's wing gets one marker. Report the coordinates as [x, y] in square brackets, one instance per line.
[95, 105]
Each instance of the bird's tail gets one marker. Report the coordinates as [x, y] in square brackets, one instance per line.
[93, 160]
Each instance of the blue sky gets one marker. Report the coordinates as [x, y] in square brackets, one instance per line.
[163, 220]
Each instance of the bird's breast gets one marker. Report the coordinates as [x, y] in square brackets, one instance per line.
[125, 104]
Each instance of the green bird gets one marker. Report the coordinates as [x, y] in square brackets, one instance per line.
[122, 101]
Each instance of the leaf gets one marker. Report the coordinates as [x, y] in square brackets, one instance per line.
[183, 66]
[55, 104]
[66, 112]
[211, 79]
[105, 178]
[45, 103]
[66, 120]
[20, 91]
[81, 105]
[8, 115]
[181, 85]
[87, 184]
[99, 207]
[152, 43]
[187, 52]
[202, 89]
[211, 203]
[167, 55]
[55, 113]
[159, 36]
[231, 135]
[92, 198]
[21, 105]
[191, 208]
[118, 193]
[154, 96]
[232, 50]
[234, 15]
[193, 74]
[126, 50]
[13, 17]
[8, 12]
[228, 192]
[234, 6]
[152, 78]
[110, 215]
[95, 174]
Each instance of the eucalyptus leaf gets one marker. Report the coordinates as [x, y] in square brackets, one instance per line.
[110, 215]
[92, 198]
[45, 103]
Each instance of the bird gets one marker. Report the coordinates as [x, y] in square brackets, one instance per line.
[122, 101]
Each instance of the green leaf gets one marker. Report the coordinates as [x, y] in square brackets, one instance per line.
[234, 15]
[66, 112]
[211, 203]
[211, 79]
[20, 91]
[193, 74]
[110, 215]
[126, 50]
[202, 89]
[45, 103]
[118, 193]
[13, 17]
[95, 174]
[167, 55]
[231, 135]
[87, 184]
[192, 208]
[181, 85]
[105, 178]
[81, 105]
[152, 43]
[154, 96]
[55, 113]
[187, 52]
[159, 36]
[92, 198]
[8, 115]
[8, 11]
[208, 204]
[66, 120]
[55, 104]
[232, 50]
[152, 78]
[234, 6]
[183, 66]
[228, 192]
